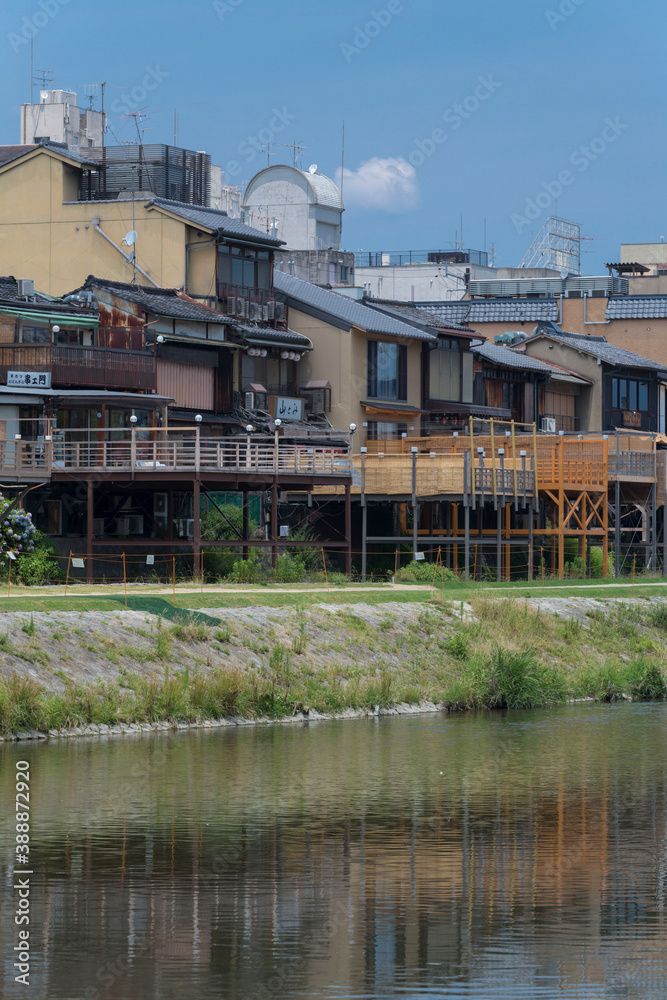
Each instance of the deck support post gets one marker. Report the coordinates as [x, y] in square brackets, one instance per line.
[617, 529]
[654, 527]
[245, 523]
[531, 519]
[196, 533]
[467, 541]
[274, 523]
[90, 511]
[364, 515]
[348, 530]
[499, 547]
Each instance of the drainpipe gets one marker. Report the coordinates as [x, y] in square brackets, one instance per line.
[594, 322]
[126, 258]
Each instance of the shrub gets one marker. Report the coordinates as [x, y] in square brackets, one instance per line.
[645, 681]
[39, 566]
[423, 572]
[457, 646]
[516, 680]
[289, 569]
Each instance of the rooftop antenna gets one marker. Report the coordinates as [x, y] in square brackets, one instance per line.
[175, 128]
[294, 146]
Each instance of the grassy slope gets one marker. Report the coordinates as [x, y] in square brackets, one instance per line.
[506, 656]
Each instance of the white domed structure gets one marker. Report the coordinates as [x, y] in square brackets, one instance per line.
[303, 208]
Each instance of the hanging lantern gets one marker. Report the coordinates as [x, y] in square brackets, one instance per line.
[284, 355]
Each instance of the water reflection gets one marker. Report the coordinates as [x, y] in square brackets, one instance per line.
[512, 856]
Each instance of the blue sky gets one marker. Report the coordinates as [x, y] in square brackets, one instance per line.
[555, 97]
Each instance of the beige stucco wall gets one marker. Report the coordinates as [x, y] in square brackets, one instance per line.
[589, 403]
[341, 357]
[55, 243]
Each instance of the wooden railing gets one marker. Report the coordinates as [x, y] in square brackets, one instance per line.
[99, 367]
[172, 451]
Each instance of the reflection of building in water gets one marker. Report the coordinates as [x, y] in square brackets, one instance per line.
[425, 890]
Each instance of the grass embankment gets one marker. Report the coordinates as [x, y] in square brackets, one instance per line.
[505, 656]
[108, 597]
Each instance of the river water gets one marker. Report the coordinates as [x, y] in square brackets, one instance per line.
[513, 855]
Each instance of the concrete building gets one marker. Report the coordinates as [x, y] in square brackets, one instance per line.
[320, 267]
[420, 276]
[303, 208]
[58, 118]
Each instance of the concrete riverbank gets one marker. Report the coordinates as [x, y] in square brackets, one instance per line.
[100, 672]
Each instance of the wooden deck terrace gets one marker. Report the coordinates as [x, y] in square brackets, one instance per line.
[157, 456]
[569, 462]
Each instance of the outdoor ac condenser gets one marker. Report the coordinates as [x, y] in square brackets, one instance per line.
[548, 425]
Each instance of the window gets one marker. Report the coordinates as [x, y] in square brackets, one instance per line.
[387, 370]
[629, 394]
[35, 334]
[237, 266]
[445, 371]
[379, 430]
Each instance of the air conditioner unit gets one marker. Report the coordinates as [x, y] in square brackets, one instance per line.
[249, 401]
[241, 307]
[254, 311]
[190, 527]
[119, 526]
[281, 311]
[231, 305]
[265, 313]
[135, 524]
[271, 310]
[26, 288]
[548, 425]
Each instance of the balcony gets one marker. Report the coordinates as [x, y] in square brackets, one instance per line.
[161, 453]
[92, 367]
[636, 420]
[255, 305]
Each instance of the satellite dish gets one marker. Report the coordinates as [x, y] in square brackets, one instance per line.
[564, 273]
[312, 169]
[131, 238]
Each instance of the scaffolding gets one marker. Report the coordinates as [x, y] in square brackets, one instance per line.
[557, 246]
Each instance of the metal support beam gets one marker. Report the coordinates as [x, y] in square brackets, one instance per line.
[274, 523]
[90, 513]
[467, 542]
[617, 529]
[348, 530]
[196, 539]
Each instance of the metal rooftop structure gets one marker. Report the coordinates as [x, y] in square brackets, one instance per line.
[557, 245]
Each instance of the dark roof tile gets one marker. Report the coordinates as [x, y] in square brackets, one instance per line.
[349, 311]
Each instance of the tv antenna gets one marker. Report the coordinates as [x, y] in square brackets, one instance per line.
[296, 147]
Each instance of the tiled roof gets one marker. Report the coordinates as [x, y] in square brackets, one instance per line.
[9, 295]
[417, 314]
[9, 153]
[498, 355]
[637, 307]
[160, 301]
[598, 347]
[210, 218]
[449, 312]
[260, 334]
[511, 310]
[346, 310]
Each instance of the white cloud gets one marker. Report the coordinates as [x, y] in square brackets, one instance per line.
[389, 185]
